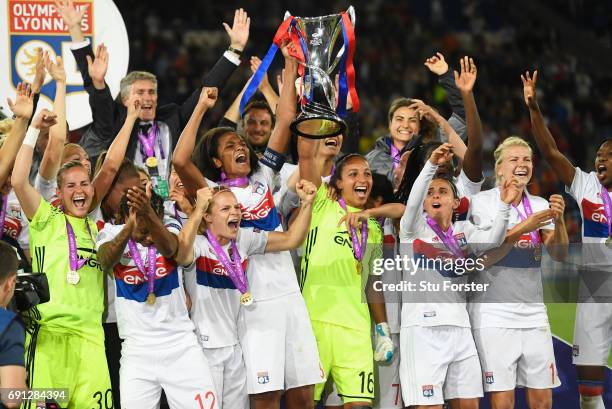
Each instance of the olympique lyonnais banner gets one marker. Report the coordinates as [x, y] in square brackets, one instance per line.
[28, 24]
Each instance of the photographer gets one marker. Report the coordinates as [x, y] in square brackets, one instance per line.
[12, 334]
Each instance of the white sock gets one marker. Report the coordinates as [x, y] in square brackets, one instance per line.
[591, 402]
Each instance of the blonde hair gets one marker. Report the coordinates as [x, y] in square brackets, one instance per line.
[509, 142]
[5, 128]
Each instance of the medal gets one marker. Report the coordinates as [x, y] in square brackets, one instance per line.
[358, 248]
[149, 271]
[609, 241]
[73, 277]
[246, 299]
[151, 162]
[151, 298]
[447, 238]
[234, 267]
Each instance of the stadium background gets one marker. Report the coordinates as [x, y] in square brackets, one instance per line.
[566, 40]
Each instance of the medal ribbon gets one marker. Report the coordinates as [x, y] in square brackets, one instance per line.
[607, 202]
[73, 258]
[234, 182]
[147, 142]
[234, 269]
[149, 271]
[357, 246]
[346, 80]
[535, 235]
[3, 214]
[447, 238]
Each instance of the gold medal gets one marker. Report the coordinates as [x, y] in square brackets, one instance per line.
[151, 298]
[609, 241]
[537, 254]
[359, 267]
[73, 277]
[246, 299]
[151, 162]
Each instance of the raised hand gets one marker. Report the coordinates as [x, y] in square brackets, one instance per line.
[510, 191]
[442, 154]
[465, 81]
[204, 197]
[255, 63]
[44, 119]
[354, 219]
[133, 107]
[56, 70]
[529, 89]
[208, 97]
[97, 68]
[437, 64]
[425, 111]
[306, 191]
[239, 32]
[71, 16]
[140, 202]
[557, 206]
[181, 200]
[24, 101]
[39, 76]
[536, 221]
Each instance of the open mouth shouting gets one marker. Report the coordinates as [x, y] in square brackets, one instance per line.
[331, 142]
[602, 170]
[241, 157]
[361, 192]
[79, 201]
[233, 224]
[436, 205]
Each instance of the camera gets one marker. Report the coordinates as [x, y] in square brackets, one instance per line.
[31, 289]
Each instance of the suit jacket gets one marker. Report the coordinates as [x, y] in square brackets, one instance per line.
[109, 115]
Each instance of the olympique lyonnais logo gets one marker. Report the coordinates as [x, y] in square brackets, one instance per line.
[489, 378]
[428, 391]
[263, 378]
[32, 24]
[575, 350]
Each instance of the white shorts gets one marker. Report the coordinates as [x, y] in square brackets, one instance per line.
[180, 370]
[512, 357]
[279, 348]
[438, 363]
[229, 375]
[387, 393]
[592, 334]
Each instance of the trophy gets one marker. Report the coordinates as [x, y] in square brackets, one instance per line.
[319, 54]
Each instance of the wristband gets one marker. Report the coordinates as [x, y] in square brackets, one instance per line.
[234, 50]
[272, 159]
[31, 136]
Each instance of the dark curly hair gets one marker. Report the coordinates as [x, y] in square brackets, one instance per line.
[157, 203]
[208, 148]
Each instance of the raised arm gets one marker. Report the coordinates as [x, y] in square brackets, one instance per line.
[186, 237]
[472, 161]
[109, 253]
[114, 157]
[29, 198]
[285, 114]
[557, 240]
[166, 242]
[294, 237]
[190, 175]
[72, 18]
[266, 89]
[22, 108]
[52, 158]
[414, 205]
[545, 141]
[431, 114]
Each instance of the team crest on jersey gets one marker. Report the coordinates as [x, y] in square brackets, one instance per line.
[489, 378]
[428, 391]
[263, 378]
[575, 350]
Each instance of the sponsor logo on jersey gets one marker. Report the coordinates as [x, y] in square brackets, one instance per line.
[344, 239]
[428, 391]
[32, 24]
[489, 378]
[12, 227]
[211, 273]
[575, 350]
[131, 283]
[263, 378]
[595, 223]
[262, 216]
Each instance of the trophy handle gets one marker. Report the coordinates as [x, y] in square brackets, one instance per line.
[351, 12]
[288, 14]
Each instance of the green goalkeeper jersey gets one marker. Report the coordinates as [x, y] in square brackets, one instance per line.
[331, 283]
[74, 308]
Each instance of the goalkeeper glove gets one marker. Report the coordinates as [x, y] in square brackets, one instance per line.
[383, 344]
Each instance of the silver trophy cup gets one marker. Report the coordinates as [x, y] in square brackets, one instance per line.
[318, 118]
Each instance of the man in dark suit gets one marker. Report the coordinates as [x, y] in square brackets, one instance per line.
[151, 144]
